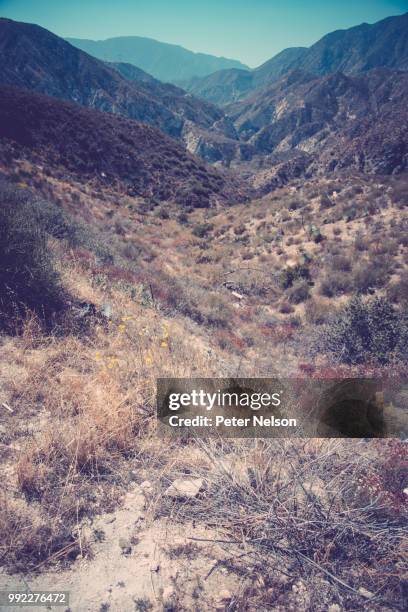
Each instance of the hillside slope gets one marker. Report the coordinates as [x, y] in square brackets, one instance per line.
[112, 150]
[303, 124]
[36, 59]
[232, 85]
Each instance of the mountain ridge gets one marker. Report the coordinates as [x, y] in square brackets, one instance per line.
[351, 50]
[109, 149]
[36, 59]
[165, 61]
[306, 125]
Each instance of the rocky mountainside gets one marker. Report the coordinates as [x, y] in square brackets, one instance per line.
[226, 86]
[169, 63]
[303, 124]
[175, 99]
[36, 59]
[381, 45]
[69, 140]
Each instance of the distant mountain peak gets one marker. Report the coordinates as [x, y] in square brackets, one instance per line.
[33, 58]
[358, 49]
[166, 62]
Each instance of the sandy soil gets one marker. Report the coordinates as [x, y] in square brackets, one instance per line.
[140, 564]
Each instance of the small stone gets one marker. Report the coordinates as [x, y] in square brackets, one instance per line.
[224, 595]
[106, 310]
[334, 608]
[146, 486]
[125, 545]
[365, 593]
[185, 488]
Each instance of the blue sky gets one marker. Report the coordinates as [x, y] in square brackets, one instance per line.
[249, 30]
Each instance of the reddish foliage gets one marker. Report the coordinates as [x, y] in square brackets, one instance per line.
[278, 333]
[388, 479]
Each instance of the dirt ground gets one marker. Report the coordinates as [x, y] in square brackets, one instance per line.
[140, 564]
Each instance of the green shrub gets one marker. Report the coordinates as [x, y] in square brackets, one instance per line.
[55, 222]
[325, 202]
[289, 275]
[182, 218]
[367, 331]
[202, 229]
[299, 292]
[28, 279]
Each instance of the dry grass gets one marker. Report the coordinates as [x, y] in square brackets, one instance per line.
[80, 409]
[319, 522]
[184, 305]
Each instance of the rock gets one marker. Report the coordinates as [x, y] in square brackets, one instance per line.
[185, 488]
[125, 545]
[334, 608]
[106, 311]
[365, 593]
[146, 486]
[239, 296]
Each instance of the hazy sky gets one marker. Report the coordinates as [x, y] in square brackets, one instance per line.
[249, 30]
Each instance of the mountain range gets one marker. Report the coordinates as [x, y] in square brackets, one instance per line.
[36, 59]
[169, 63]
[308, 125]
[381, 45]
[338, 105]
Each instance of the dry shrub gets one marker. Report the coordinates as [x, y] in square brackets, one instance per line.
[398, 291]
[335, 283]
[371, 275]
[306, 512]
[342, 263]
[286, 308]
[317, 312]
[28, 539]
